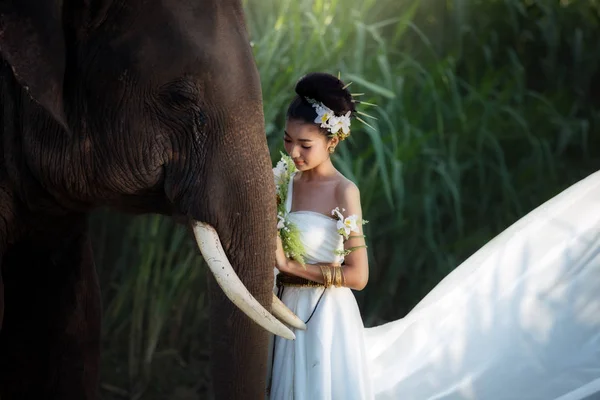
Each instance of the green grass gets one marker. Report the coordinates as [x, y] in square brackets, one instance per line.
[485, 110]
[155, 304]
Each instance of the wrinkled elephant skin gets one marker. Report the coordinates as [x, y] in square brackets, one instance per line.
[144, 106]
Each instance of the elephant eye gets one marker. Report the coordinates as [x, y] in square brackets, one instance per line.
[179, 93]
[180, 100]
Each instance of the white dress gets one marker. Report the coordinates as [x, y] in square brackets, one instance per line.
[520, 319]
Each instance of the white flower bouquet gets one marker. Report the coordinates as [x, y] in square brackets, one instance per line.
[287, 230]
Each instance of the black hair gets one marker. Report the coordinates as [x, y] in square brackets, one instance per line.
[324, 88]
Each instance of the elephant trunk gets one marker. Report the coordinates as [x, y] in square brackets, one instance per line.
[233, 218]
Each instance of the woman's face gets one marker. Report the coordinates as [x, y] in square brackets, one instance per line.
[306, 144]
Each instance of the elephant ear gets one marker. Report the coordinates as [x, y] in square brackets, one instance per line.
[33, 43]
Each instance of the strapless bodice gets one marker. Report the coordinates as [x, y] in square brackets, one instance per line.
[319, 236]
[318, 232]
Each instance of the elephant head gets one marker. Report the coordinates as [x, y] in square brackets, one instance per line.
[145, 106]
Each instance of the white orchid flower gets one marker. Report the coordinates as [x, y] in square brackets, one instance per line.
[341, 228]
[340, 123]
[326, 118]
[323, 117]
[334, 124]
[351, 223]
[345, 122]
[347, 225]
[336, 212]
[279, 171]
[280, 222]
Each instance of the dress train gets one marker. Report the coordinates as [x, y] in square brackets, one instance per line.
[519, 319]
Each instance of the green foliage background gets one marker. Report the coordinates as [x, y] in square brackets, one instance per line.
[487, 108]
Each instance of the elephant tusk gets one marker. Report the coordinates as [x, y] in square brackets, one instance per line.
[286, 315]
[214, 255]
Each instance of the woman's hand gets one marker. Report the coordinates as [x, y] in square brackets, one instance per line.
[292, 267]
[281, 259]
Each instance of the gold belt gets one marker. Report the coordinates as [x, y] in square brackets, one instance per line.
[290, 280]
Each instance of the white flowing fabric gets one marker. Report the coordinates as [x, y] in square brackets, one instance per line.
[520, 319]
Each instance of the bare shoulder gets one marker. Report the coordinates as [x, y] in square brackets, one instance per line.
[347, 194]
[347, 188]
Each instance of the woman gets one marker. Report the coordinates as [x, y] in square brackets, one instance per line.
[328, 360]
[520, 319]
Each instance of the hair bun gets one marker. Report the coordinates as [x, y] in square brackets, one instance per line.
[326, 89]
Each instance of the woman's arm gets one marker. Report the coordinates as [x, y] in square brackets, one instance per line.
[293, 267]
[356, 266]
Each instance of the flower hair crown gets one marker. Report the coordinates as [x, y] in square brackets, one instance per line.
[338, 125]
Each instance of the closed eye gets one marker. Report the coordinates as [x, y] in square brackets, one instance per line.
[178, 105]
[179, 93]
[289, 141]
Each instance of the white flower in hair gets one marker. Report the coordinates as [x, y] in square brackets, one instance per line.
[340, 123]
[324, 114]
[327, 119]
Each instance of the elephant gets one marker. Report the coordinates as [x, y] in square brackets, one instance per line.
[142, 106]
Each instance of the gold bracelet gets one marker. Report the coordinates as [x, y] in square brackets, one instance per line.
[326, 275]
[337, 276]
